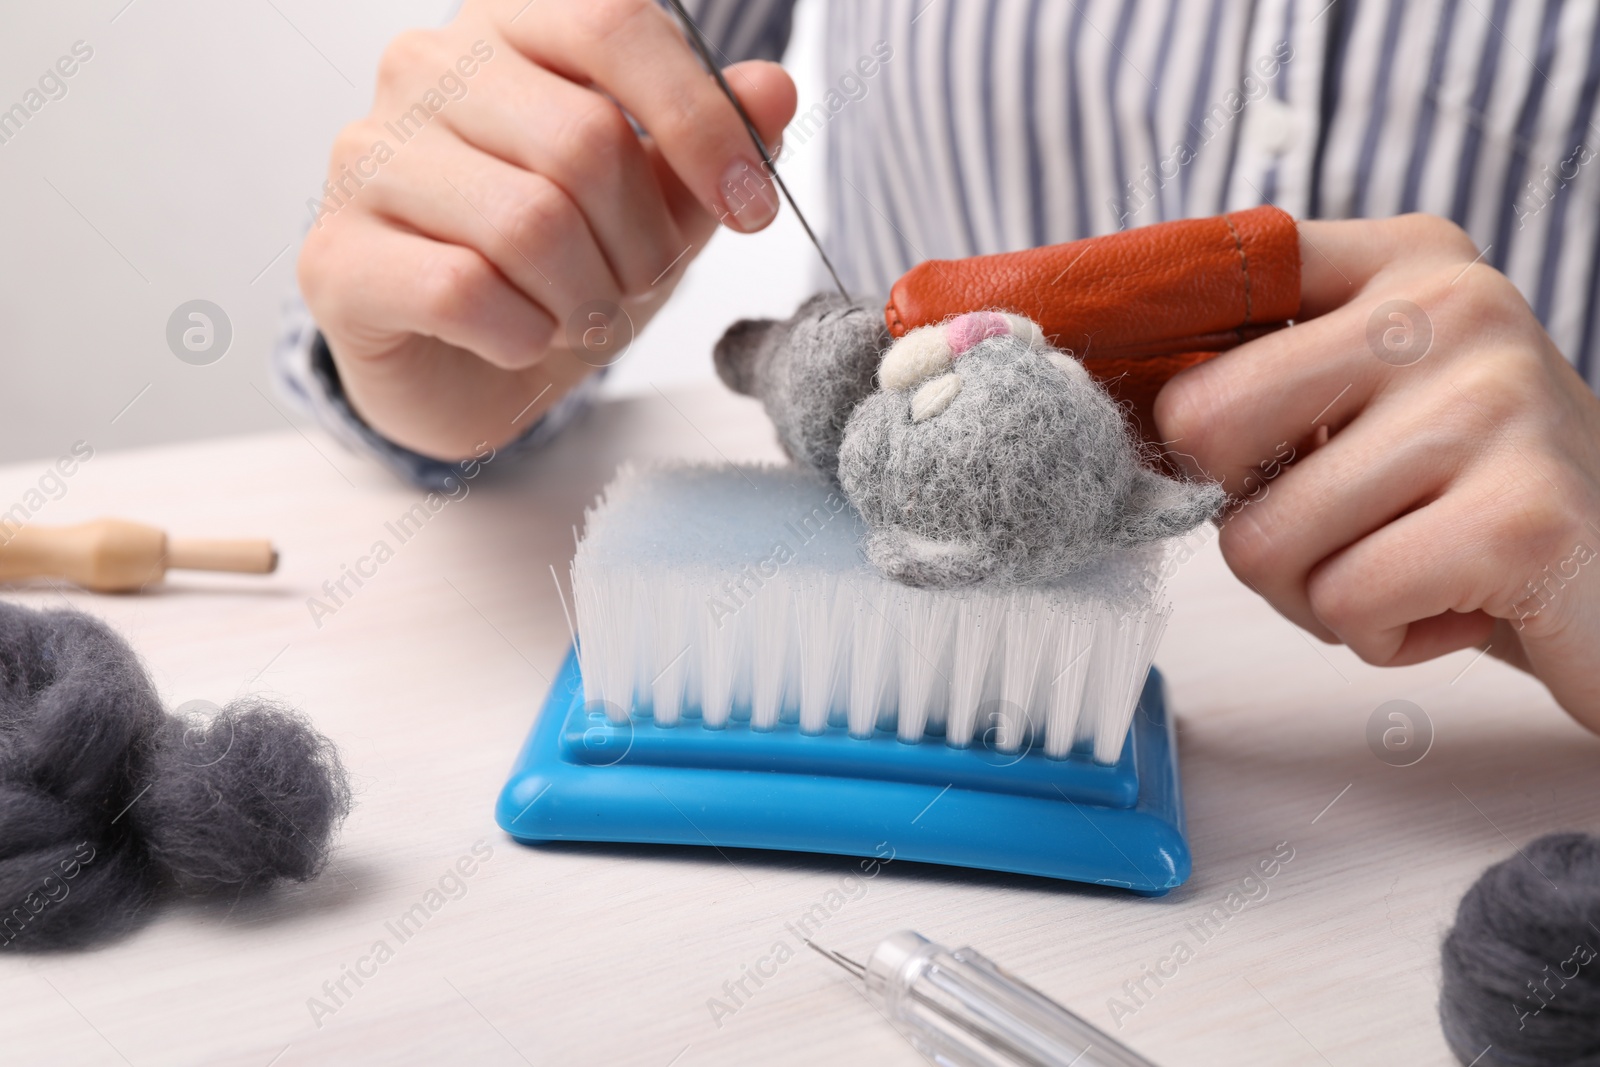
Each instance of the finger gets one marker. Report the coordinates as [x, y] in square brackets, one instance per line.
[1443, 634]
[1420, 586]
[523, 223]
[634, 51]
[694, 223]
[1339, 259]
[1222, 419]
[393, 283]
[1381, 303]
[1396, 457]
[1227, 413]
[581, 141]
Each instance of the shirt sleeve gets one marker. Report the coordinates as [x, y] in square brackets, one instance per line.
[305, 371]
[304, 368]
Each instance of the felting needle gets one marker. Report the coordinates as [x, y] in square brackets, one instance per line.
[697, 39]
[837, 957]
[117, 556]
[957, 1007]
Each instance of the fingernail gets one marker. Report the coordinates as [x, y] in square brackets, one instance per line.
[748, 195]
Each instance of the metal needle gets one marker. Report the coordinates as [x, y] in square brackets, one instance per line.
[842, 960]
[697, 39]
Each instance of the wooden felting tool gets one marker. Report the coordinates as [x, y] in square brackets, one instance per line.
[117, 556]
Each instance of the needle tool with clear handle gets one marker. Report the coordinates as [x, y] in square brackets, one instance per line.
[960, 1010]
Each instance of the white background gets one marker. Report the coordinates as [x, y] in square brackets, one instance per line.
[178, 166]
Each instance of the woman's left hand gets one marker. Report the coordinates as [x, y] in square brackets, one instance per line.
[1456, 501]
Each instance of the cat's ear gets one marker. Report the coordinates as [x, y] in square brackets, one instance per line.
[738, 351]
[1159, 507]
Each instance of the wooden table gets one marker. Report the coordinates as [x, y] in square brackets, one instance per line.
[428, 678]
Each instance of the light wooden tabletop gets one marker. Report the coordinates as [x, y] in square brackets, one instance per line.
[429, 676]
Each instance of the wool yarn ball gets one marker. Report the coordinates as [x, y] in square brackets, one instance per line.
[108, 803]
[1521, 965]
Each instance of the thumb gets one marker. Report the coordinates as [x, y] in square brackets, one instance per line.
[1556, 646]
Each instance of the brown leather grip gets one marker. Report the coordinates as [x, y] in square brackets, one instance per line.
[1136, 306]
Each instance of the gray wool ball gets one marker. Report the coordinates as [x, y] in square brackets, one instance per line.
[108, 803]
[1028, 473]
[810, 371]
[1520, 968]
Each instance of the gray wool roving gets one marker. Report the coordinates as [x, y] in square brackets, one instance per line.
[1521, 966]
[983, 456]
[108, 803]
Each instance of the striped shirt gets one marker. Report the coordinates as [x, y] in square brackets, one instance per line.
[1004, 124]
[962, 127]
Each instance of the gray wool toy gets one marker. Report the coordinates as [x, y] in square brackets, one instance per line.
[811, 370]
[974, 451]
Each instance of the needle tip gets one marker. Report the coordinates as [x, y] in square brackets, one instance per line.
[851, 966]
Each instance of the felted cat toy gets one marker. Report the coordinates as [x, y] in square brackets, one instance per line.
[973, 447]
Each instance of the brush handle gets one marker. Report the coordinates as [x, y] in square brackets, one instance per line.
[117, 556]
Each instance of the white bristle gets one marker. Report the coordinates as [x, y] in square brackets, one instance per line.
[705, 596]
[1067, 667]
[605, 607]
[769, 655]
[670, 645]
[980, 619]
[822, 637]
[924, 630]
[1125, 647]
[1027, 626]
[716, 666]
[638, 598]
[873, 657]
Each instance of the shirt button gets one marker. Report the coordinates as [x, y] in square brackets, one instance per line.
[1274, 127]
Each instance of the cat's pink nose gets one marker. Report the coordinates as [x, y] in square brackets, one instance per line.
[964, 331]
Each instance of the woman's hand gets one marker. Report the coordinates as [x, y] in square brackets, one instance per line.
[497, 206]
[1456, 501]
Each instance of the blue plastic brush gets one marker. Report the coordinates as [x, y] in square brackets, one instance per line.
[742, 678]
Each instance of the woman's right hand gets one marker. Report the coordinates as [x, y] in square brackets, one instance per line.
[483, 224]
